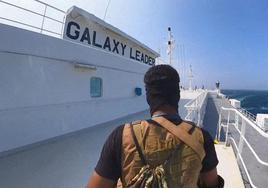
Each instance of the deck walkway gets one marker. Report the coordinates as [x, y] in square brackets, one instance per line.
[227, 161]
[68, 161]
[62, 163]
[65, 162]
[257, 171]
[225, 155]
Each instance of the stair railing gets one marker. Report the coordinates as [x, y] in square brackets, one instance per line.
[196, 109]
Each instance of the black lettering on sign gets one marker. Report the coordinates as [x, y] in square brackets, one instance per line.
[138, 55]
[107, 44]
[142, 57]
[115, 46]
[153, 61]
[146, 59]
[150, 61]
[76, 31]
[130, 54]
[86, 36]
[94, 40]
[123, 48]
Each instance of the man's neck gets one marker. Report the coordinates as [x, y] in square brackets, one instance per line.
[165, 110]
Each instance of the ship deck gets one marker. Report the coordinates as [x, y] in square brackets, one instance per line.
[227, 161]
[63, 162]
[257, 171]
[67, 161]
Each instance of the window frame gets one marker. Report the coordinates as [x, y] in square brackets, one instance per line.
[94, 95]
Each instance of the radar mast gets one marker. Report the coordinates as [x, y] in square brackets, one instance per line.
[170, 45]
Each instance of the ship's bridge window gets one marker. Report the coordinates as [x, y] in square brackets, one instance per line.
[95, 87]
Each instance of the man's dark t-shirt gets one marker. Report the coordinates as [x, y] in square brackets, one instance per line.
[109, 164]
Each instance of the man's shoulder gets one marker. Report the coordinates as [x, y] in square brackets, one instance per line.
[193, 125]
[117, 132]
[189, 122]
[205, 133]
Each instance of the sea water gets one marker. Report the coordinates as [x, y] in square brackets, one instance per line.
[254, 101]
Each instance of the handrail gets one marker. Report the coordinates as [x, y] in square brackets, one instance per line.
[252, 124]
[243, 163]
[241, 133]
[50, 6]
[250, 147]
[188, 104]
[28, 10]
[30, 25]
[42, 15]
[248, 114]
[196, 108]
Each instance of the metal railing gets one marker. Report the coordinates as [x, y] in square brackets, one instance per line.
[196, 109]
[241, 132]
[249, 115]
[43, 15]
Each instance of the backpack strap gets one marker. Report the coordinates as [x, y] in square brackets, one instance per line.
[183, 135]
[190, 131]
[142, 157]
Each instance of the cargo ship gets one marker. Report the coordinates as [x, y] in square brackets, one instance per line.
[61, 96]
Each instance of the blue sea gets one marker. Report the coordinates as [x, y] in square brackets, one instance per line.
[253, 101]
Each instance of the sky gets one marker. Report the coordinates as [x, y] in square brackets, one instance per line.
[225, 40]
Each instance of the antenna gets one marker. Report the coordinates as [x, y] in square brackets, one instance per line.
[183, 74]
[184, 64]
[190, 76]
[106, 9]
[180, 63]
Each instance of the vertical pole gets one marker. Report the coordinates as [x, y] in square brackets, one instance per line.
[63, 21]
[198, 110]
[195, 108]
[227, 129]
[236, 120]
[219, 127]
[241, 140]
[169, 44]
[42, 26]
[104, 17]
[184, 66]
[181, 64]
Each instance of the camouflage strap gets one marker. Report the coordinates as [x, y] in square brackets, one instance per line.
[136, 142]
[183, 135]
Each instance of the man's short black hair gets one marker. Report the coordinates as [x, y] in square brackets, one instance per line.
[162, 87]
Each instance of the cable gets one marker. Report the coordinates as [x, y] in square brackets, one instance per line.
[106, 10]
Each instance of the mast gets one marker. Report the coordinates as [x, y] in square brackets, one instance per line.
[190, 76]
[170, 45]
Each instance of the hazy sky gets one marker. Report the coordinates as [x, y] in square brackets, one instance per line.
[225, 40]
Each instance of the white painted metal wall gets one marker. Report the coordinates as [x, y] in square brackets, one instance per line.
[42, 95]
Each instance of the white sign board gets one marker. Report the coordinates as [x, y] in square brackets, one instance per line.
[85, 28]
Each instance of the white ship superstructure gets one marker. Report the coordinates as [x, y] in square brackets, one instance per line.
[57, 86]
[61, 97]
